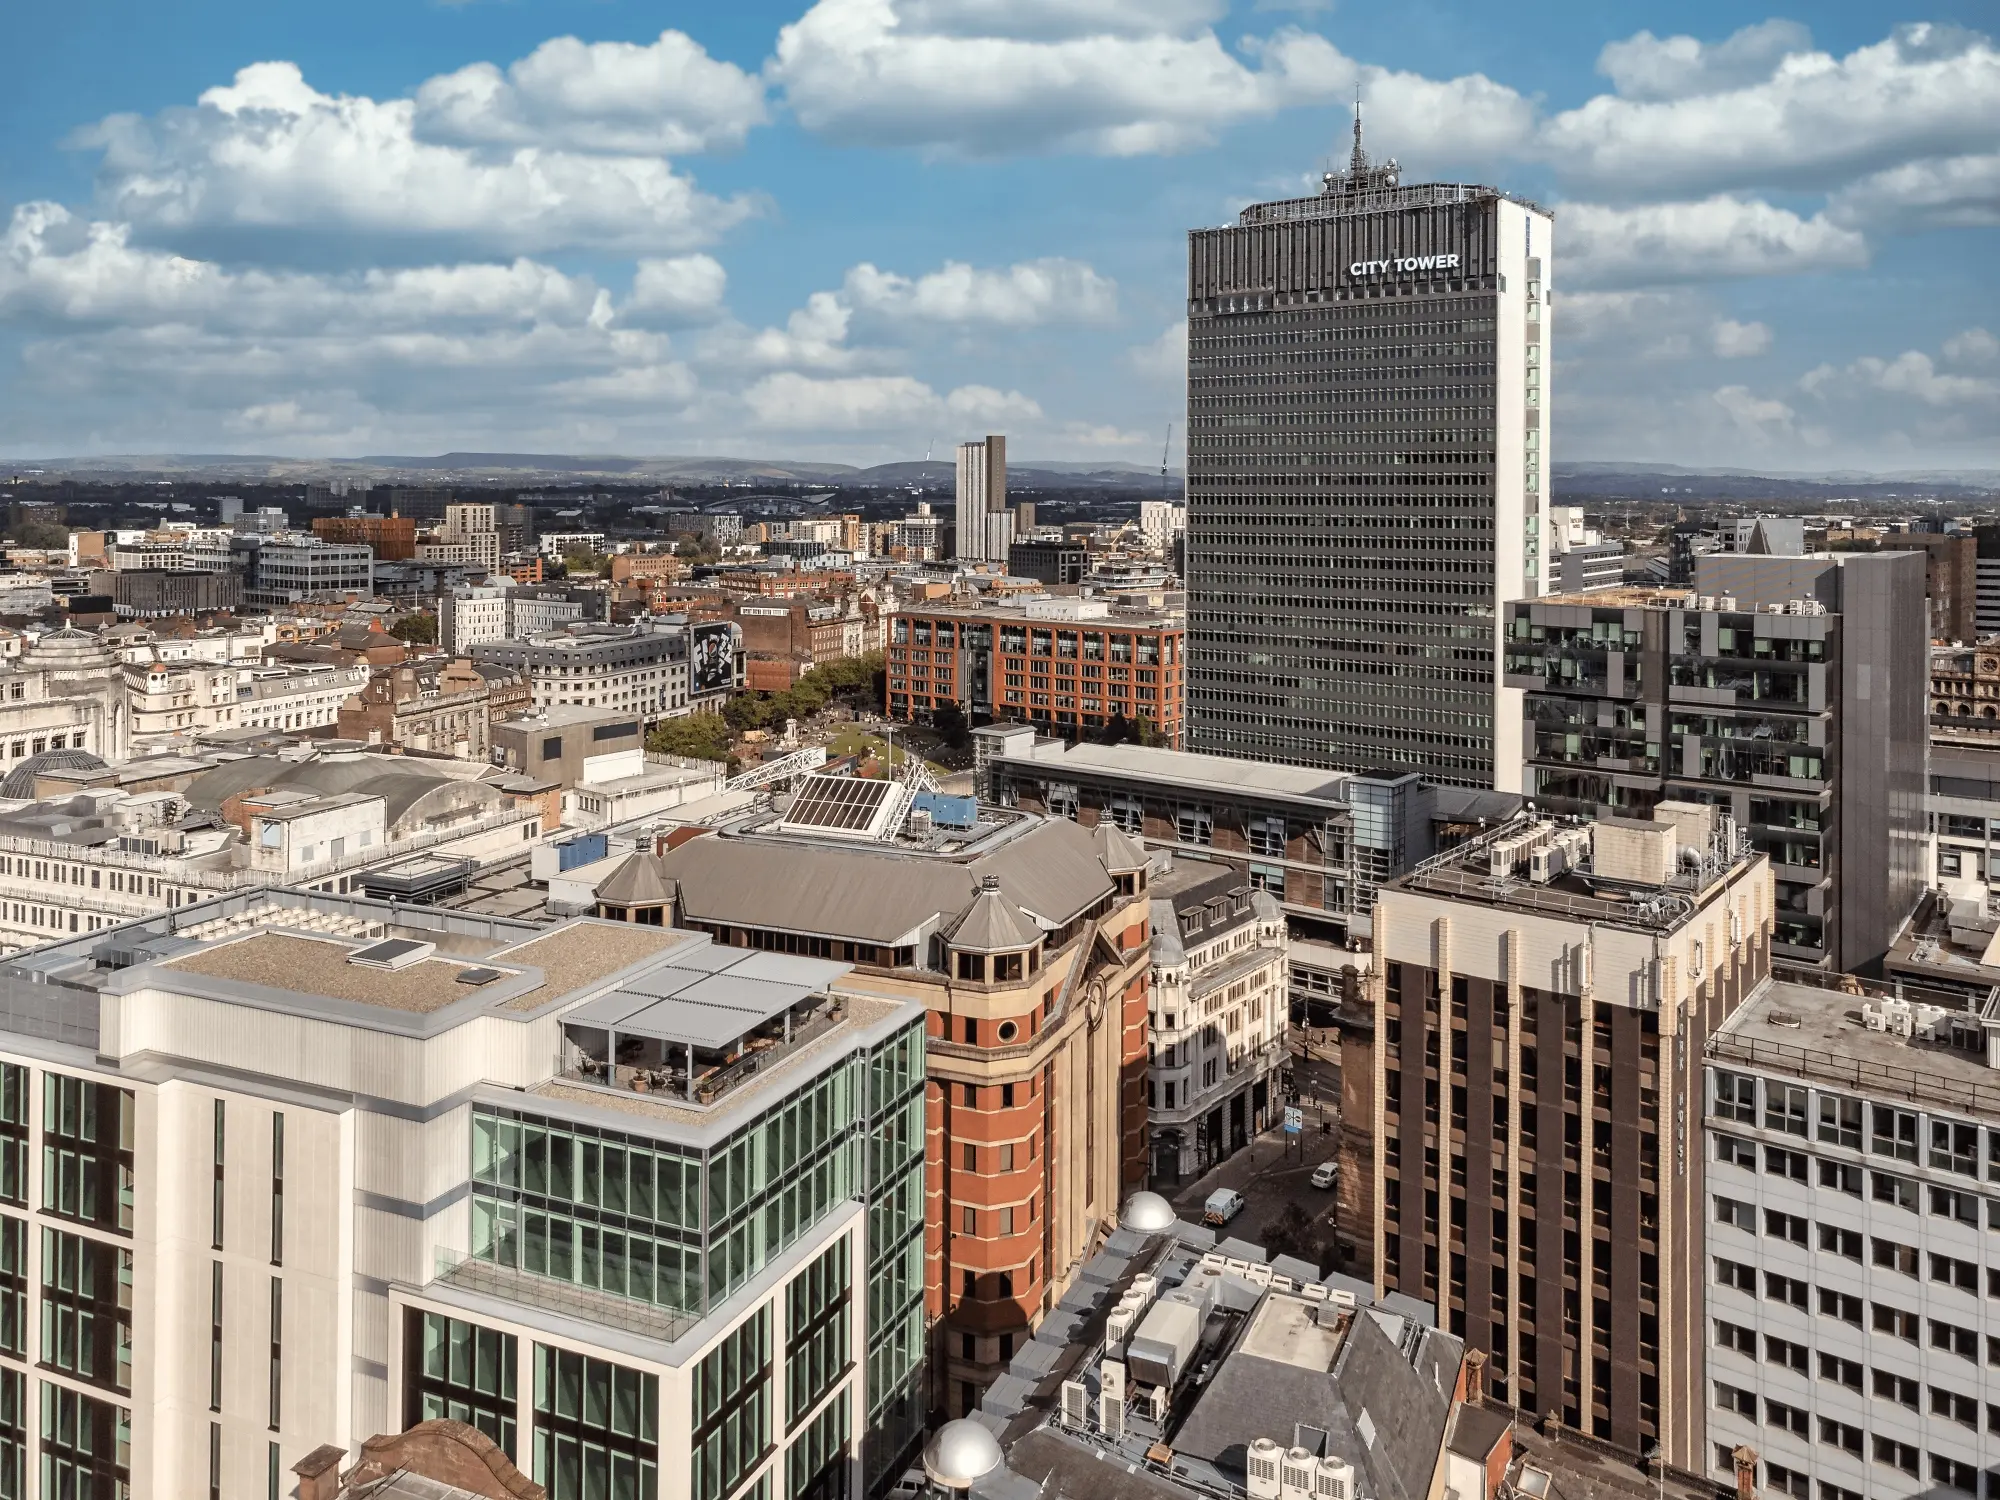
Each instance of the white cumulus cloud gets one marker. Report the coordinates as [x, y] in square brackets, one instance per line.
[1954, 192]
[1721, 236]
[677, 289]
[666, 97]
[1163, 358]
[1975, 346]
[1029, 292]
[1814, 121]
[1763, 417]
[794, 402]
[1682, 67]
[1733, 340]
[1912, 374]
[268, 155]
[1109, 77]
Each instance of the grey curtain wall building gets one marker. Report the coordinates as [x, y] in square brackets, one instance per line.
[1367, 417]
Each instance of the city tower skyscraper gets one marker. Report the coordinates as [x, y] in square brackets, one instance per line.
[1367, 487]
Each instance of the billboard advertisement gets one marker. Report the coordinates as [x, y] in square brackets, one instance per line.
[712, 667]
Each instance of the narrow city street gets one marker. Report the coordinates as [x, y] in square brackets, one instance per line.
[1274, 1171]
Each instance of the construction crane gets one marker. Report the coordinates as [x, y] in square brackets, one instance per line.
[1165, 449]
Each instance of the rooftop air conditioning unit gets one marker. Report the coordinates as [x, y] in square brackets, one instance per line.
[1111, 1398]
[1117, 1328]
[1075, 1404]
[1261, 1464]
[1334, 1479]
[1296, 1474]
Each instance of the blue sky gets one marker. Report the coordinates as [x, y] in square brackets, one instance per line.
[854, 228]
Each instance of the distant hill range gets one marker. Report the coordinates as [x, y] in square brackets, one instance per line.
[1670, 483]
[1674, 483]
[520, 470]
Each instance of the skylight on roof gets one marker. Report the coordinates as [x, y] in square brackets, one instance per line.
[850, 805]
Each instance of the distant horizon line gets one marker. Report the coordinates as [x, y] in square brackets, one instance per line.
[494, 462]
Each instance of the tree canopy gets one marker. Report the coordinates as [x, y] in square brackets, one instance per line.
[418, 630]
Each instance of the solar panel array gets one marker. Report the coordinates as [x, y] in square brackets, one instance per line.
[838, 804]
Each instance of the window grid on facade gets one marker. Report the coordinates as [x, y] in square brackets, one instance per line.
[732, 1408]
[459, 1372]
[596, 1428]
[87, 1146]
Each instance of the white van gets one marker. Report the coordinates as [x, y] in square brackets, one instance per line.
[1223, 1205]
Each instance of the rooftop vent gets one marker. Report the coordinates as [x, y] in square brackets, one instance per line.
[395, 953]
[478, 976]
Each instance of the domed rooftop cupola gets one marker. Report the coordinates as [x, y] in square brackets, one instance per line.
[20, 782]
[991, 940]
[1147, 1213]
[961, 1453]
[69, 650]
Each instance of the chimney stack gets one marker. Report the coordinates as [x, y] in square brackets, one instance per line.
[319, 1473]
[1745, 1459]
[1475, 1377]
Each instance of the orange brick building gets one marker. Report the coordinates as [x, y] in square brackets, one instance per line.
[785, 582]
[628, 567]
[1030, 945]
[394, 538]
[1066, 665]
[784, 640]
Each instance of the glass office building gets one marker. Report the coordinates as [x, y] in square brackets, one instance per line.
[1367, 427]
[701, 1230]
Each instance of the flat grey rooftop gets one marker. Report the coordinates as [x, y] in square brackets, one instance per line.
[1809, 1032]
[1188, 768]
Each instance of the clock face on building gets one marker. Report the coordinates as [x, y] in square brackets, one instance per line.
[1094, 1004]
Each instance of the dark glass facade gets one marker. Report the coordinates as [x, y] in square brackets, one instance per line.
[86, 1446]
[459, 1372]
[87, 1151]
[87, 1309]
[1362, 431]
[596, 1428]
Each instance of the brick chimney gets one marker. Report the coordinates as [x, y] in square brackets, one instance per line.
[1745, 1459]
[1475, 1377]
[319, 1473]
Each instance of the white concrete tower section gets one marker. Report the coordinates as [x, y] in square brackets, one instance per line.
[1521, 410]
[982, 493]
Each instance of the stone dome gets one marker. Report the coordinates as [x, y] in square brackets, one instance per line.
[70, 649]
[961, 1453]
[20, 782]
[1147, 1213]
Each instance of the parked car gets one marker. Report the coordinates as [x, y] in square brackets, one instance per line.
[1223, 1205]
[1326, 1174]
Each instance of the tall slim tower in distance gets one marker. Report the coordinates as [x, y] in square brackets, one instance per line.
[1367, 428]
[984, 526]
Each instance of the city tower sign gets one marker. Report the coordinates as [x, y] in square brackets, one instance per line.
[1408, 265]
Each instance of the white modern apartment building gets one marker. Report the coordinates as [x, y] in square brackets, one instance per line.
[92, 855]
[286, 1170]
[1218, 1017]
[643, 668]
[299, 696]
[1851, 1157]
[475, 527]
[471, 615]
[1160, 521]
[242, 641]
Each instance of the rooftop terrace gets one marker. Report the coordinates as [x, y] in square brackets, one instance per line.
[1820, 1033]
